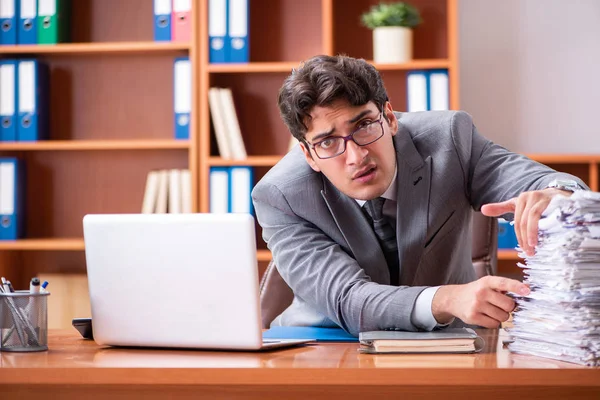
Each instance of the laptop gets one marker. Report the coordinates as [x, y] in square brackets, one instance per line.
[175, 280]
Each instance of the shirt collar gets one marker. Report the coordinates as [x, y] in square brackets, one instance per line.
[391, 192]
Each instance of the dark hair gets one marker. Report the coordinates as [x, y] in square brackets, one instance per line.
[320, 81]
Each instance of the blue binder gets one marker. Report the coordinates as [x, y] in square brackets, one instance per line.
[162, 20]
[11, 199]
[417, 91]
[309, 332]
[238, 31]
[182, 96]
[218, 190]
[9, 22]
[27, 32]
[437, 85]
[34, 100]
[241, 181]
[507, 237]
[8, 108]
[217, 31]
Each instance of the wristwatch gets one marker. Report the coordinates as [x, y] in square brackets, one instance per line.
[564, 184]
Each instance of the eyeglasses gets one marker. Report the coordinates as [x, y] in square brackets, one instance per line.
[365, 134]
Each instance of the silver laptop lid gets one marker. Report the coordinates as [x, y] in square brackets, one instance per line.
[173, 280]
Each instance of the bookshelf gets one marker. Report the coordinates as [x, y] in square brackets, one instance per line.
[112, 110]
[111, 122]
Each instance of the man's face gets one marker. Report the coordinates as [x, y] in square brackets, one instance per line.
[361, 172]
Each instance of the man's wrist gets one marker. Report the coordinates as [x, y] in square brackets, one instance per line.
[565, 185]
[441, 305]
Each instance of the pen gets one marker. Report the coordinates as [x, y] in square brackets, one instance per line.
[5, 285]
[44, 285]
[16, 316]
[34, 285]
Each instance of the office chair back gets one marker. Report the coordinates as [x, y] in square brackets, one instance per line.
[276, 295]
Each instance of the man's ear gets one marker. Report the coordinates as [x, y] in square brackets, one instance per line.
[309, 159]
[391, 117]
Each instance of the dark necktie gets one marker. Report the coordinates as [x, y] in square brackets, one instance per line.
[386, 237]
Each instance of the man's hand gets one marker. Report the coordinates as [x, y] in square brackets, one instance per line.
[528, 209]
[482, 302]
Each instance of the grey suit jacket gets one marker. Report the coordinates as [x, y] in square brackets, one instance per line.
[326, 251]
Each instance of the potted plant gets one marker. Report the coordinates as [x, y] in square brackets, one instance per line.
[392, 25]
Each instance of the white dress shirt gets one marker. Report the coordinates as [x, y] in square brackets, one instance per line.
[422, 316]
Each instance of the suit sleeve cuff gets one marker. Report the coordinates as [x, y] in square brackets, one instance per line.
[422, 317]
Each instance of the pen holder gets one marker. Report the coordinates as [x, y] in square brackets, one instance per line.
[24, 321]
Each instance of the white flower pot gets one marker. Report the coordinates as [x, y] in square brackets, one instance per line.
[392, 44]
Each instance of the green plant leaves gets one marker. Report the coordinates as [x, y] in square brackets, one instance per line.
[394, 14]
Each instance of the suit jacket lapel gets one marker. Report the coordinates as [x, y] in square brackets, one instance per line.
[413, 186]
[358, 233]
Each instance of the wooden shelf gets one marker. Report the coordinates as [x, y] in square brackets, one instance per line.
[97, 48]
[415, 64]
[51, 145]
[254, 161]
[287, 66]
[507, 254]
[263, 255]
[565, 158]
[55, 244]
[73, 244]
[256, 67]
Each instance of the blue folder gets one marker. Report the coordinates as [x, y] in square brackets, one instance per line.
[309, 332]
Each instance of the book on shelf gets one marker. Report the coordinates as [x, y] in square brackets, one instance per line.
[427, 90]
[53, 21]
[167, 191]
[182, 97]
[450, 340]
[12, 198]
[228, 32]
[230, 189]
[25, 105]
[230, 142]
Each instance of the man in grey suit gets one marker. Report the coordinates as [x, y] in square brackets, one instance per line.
[407, 265]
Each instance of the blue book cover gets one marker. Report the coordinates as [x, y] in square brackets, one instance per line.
[182, 96]
[27, 32]
[309, 332]
[217, 31]
[34, 100]
[9, 22]
[162, 20]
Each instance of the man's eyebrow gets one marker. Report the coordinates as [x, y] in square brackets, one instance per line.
[359, 116]
[322, 135]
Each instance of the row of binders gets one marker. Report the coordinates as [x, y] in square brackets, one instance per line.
[168, 191]
[24, 100]
[228, 31]
[226, 125]
[34, 21]
[230, 189]
[427, 90]
[12, 198]
[172, 20]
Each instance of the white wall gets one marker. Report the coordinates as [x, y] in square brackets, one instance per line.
[530, 73]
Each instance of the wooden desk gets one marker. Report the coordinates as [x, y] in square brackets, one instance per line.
[75, 369]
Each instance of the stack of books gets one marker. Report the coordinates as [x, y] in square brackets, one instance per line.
[560, 318]
[168, 191]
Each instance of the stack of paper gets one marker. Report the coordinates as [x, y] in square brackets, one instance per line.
[560, 318]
